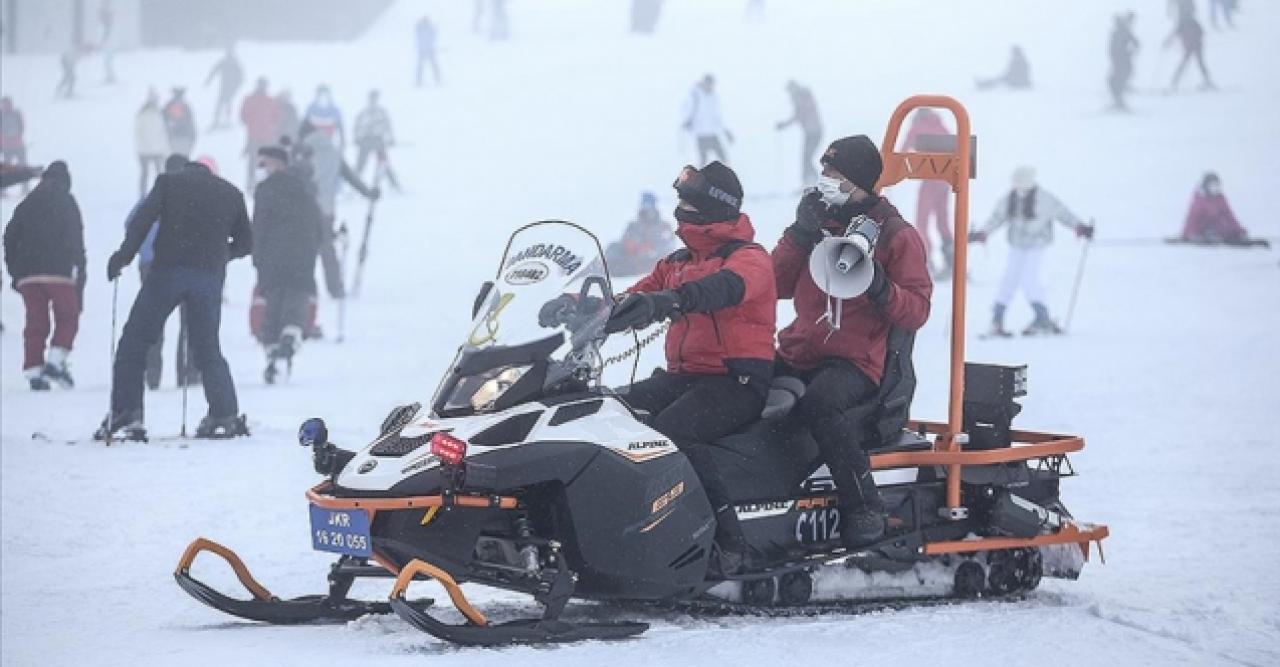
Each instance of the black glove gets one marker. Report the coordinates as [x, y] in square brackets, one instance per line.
[1084, 231]
[557, 311]
[807, 229]
[640, 310]
[116, 264]
[375, 194]
[878, 292]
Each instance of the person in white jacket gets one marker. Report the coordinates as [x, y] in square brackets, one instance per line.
[702, 120]
[150, 140]
[1030, 212]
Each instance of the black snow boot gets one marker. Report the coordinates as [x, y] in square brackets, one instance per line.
[1042, 324]
[38, 383]
[862, 515]
[125, 425]
[730, 554]
[997, 323]
[222, 427]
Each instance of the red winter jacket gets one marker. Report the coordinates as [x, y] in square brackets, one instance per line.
[260, 114]
[1211, 219]
[737, 339]
[864, 329]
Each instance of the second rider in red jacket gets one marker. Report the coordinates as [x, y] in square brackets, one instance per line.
[839, 352]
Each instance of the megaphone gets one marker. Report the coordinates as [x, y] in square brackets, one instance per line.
[841, 265]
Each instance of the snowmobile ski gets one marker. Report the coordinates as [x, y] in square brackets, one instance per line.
[478, 631]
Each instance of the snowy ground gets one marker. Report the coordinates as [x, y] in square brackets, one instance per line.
[1170, 372]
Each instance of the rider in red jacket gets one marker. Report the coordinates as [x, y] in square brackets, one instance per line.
[839, 349]
[718, 291]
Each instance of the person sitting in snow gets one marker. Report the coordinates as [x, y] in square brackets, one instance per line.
[647, 239]
[1030, 212]
[1210, 219]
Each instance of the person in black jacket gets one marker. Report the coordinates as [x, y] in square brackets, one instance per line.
[287, 233]
[44, 252]
[202, 225]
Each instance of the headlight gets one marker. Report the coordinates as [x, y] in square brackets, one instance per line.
[493, 388]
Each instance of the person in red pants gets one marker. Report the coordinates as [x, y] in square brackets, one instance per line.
[933, 201]
[44, 252]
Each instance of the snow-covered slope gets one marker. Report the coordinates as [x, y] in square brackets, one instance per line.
[1170, 371]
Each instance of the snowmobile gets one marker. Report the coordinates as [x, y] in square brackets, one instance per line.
[525, 473]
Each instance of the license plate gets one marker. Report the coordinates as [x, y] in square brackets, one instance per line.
[341, 531]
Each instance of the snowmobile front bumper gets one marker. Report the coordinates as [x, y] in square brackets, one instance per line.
[478, 631]
[267, 608]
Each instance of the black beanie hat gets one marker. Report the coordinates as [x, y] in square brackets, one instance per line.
[57, 172]
[857, 159]
[720, 176]
[174, 163]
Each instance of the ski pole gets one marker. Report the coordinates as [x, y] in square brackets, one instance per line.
[344, 239]
[186, 367]
[364, 248]
[1075, 290]
[115, 294]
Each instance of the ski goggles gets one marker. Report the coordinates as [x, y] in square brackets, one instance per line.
[693, 187]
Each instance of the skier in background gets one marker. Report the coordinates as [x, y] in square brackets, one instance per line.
[203, 225]
[702, 120]
[425, 38]
[180, 123]
[1030, 212]
[286, 238]
[13, 143]
[805, 113]
[67, 84]
[44, 253]
[1190, 34]
[289, 120]
[184, 364]
[150, 140]
[1122, 47]
[933, 199]
[1017, 74]
[647, 239]
[325, 117]
[373, 136]
[327, 170]
[1210, 219]
[230, 75]
[261, 117]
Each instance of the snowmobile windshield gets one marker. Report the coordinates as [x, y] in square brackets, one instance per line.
[538, 325]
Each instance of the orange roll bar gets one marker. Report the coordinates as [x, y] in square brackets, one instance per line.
[954, 169]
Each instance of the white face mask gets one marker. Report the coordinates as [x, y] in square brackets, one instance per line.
[831, 192]
[1214, 188]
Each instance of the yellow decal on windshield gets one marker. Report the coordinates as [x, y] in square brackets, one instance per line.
[490, 323]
